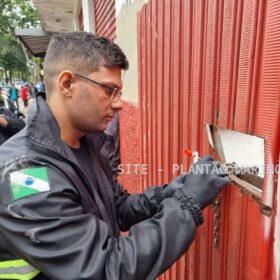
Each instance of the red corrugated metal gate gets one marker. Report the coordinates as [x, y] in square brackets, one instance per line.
[105, 18]
[214, 62]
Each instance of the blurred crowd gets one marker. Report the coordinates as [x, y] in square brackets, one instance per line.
[14, 103]
[24, 93]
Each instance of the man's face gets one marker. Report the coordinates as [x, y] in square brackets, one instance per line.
[91, 108]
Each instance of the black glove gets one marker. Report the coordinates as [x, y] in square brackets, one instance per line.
[157, 194]
[204, 181]
[174, 185]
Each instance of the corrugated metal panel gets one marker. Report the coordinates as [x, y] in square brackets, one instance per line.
[159, 88]
[166, 93]
[105, 18]
[267, 104]
[212, 62]
[247, 46]
[149, 104]
[229, 32]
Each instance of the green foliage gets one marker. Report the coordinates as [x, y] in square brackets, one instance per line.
[11, 55]
[15, 14]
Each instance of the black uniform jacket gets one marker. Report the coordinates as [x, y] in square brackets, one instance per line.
[67, 231]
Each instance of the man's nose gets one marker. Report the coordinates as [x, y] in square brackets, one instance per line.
[117, 104]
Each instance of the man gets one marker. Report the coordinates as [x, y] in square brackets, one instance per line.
[24, 96]
[61, 209]
[40, 86]
[33, 90]
[10, 123]
[14, 96]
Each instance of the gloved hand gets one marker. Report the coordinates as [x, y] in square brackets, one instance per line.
[157, 194]
[174, 185]
[204, 181]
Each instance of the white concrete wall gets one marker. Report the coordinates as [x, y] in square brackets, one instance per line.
[77, 8]
[127, 40]
[88, 15]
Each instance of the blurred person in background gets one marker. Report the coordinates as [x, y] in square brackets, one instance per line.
[14, 96]
[24, 96]
[32, 90]
[40, 86]
[10, 119]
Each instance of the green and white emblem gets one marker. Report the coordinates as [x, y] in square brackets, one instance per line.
[29, 181]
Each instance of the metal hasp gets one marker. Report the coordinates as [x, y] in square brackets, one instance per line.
[246, 178]
[250, 182]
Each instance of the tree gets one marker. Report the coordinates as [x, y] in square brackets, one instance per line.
[15, 14]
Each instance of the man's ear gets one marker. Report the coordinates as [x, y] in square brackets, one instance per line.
[65, 79]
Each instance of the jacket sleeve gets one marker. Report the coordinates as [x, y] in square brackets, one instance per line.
[14, 126]
[51, 231]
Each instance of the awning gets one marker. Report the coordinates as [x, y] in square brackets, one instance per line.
[35, 40]
[57, 15]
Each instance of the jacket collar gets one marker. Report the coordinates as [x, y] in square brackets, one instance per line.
[43, 129]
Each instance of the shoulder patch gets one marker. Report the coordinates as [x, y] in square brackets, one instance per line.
[29, 181]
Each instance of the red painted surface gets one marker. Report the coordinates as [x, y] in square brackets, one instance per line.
[130, 147]
[214, 62]
[105, 18]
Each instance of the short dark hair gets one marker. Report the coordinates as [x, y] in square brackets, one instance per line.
[80, 52]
